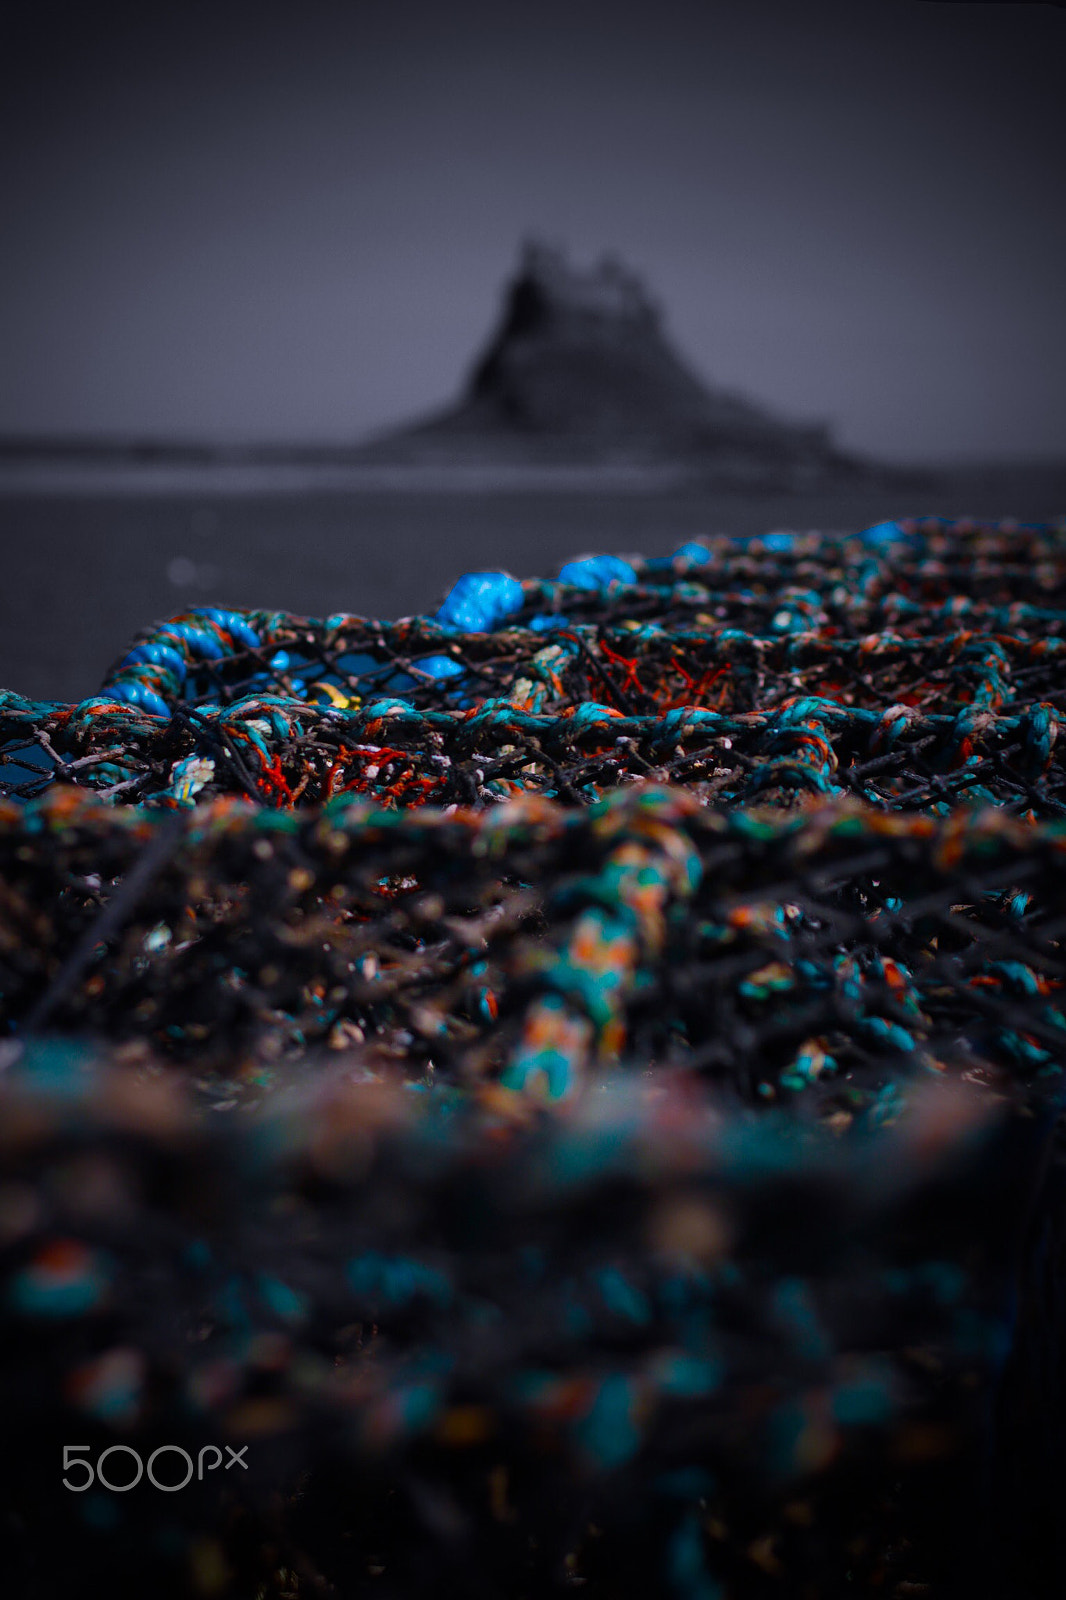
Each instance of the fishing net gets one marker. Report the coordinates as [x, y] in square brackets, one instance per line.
[572, 1084]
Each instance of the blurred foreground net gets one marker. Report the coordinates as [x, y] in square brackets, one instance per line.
[573, 1084]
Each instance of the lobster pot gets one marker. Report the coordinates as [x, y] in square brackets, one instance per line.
[560, 1094]
[641, 1345]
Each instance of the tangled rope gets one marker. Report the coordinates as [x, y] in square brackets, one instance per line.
[571, 1083]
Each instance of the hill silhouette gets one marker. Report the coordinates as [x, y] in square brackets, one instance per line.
[579, 372]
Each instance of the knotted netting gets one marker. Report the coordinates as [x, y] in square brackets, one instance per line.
[572, 1083]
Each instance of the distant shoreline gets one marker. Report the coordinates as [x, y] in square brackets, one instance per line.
[81, 473]
[151, 469]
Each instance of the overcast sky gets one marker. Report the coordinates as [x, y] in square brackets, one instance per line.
[295, 222]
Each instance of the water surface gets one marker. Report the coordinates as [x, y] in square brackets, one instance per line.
[83, 571]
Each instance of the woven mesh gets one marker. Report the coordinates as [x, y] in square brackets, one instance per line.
[570, 1083]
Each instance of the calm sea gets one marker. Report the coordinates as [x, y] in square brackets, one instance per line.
[85, 567]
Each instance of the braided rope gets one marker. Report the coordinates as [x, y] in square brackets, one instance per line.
[569, 1082]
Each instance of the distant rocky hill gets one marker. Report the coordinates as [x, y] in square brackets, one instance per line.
[579, 373]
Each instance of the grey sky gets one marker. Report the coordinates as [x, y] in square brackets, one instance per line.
[296, 222]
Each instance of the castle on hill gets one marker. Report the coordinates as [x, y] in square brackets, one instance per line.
[580, 372]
